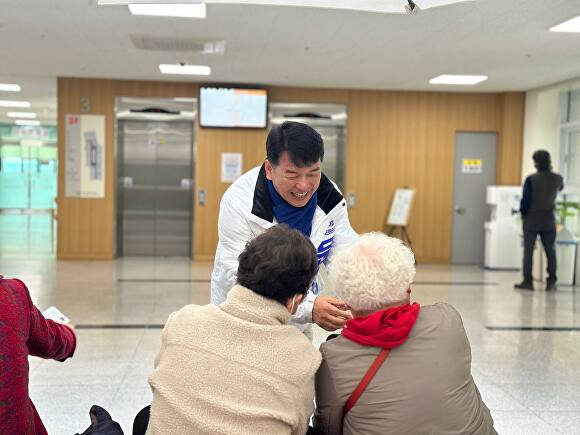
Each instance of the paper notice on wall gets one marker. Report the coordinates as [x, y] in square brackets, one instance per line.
[85, 156]
[231, 167]
[472, 166]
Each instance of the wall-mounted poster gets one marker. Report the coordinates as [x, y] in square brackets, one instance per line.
[85, 156]
[231, 167]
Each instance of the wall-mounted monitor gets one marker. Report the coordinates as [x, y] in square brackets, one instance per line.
[233, 107]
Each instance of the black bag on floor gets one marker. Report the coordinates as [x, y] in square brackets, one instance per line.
[102, 423]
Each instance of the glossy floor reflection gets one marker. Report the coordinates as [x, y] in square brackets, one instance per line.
[529, 379]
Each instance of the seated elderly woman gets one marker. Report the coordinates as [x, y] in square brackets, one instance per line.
[420, 381]
[24, 331]
[241, 368]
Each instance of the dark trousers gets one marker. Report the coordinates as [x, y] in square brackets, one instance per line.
[543, 225]
[141, 421]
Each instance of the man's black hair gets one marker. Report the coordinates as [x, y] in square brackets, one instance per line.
[303, 144]
[278, 264]
[542, 160]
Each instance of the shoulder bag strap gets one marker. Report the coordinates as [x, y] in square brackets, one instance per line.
[365, 381]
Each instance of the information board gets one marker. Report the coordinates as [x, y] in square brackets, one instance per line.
[85, 156]
[401, 207]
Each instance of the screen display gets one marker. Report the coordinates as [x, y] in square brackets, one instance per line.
[233, 107]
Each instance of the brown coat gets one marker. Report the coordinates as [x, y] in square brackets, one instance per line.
[239, 368]
[424, 387]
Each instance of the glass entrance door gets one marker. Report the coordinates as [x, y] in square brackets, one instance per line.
[28, 188]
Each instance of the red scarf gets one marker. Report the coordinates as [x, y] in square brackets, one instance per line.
[386, 328]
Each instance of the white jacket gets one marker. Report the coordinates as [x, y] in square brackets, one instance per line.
[246, 211]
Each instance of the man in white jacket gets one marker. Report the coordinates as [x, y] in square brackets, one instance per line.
[288, 188]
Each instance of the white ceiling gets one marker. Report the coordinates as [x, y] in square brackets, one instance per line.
[272, 45]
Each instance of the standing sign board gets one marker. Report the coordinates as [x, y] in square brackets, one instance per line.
[401, 207]
[399, 214]
[85, 156]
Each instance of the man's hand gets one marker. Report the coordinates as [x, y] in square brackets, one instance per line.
[330, 313]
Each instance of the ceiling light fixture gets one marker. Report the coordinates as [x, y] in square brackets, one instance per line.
[184, 10]
[570, 26]
[29, 115]
[450, 79]
[182, 68]
[9, 103]
[428, 4]
[382, 6]
[30, 122]
[9, 87]
[146, 2]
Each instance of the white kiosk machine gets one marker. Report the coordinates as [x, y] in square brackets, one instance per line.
[503, 249]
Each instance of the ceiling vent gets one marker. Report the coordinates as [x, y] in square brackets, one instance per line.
[183, 45]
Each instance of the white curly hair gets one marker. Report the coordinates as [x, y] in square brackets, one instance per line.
[373, 272]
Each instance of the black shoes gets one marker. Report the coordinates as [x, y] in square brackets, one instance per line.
[550, 286]
[524, 286]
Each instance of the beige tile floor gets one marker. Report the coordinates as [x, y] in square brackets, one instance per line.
[529, 379]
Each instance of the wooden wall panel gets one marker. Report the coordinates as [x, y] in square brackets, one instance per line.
[398, 139]
[394, 139]
[86, 227]
[210, 144]
[509, 162]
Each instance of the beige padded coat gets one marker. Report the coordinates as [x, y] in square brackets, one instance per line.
[239, 368]
[423, 387]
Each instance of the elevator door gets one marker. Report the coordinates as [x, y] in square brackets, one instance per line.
[334, 145]
[155, 185]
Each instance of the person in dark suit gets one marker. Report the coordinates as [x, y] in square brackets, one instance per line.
[537, 208]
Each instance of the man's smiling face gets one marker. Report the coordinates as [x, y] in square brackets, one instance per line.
[294, 184]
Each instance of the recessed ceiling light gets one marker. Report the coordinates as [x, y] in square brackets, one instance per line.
[9, 87]
[185, 10]
[27, 122]
[571, 25]
[8, 103]
[390, 6]
[196, 70]
[21, 115]
[449, 79]
[428, 4]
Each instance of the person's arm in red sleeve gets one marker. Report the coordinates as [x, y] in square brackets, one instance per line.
[47, 338]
